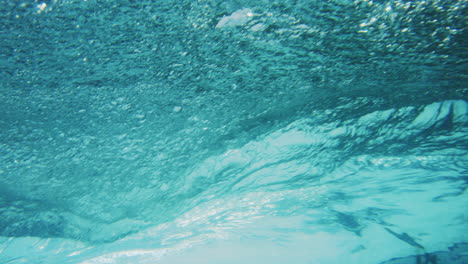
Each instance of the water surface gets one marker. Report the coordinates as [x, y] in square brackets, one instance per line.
[233, 132]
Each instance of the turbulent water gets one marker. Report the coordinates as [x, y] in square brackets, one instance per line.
[209, 131]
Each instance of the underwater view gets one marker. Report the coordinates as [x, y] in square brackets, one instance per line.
[233, 132]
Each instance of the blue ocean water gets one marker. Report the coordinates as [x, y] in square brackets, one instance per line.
[233, 131]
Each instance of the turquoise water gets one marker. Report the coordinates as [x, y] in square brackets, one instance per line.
[233, 132]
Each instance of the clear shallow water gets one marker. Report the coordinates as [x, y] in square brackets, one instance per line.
[221, 132]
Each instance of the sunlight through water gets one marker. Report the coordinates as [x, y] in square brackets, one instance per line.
[306, 132]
